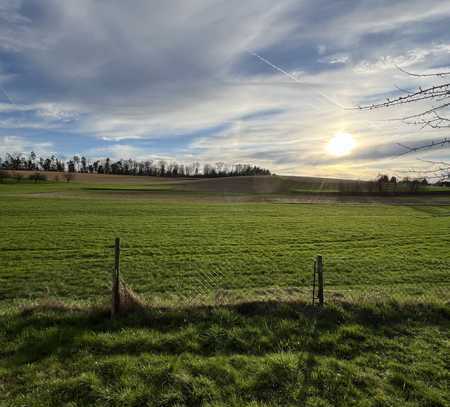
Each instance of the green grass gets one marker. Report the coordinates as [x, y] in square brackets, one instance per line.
[255, 354]
[382, 340]
[62, 245]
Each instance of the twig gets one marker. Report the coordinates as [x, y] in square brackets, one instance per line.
[438, 74]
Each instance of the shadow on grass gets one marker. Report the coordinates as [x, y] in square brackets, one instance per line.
[343, 330]
[248, 354]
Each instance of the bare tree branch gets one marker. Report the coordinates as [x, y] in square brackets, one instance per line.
[425, 146]
[421, 75]
[440, 170]
[432, 92]
[434, 117]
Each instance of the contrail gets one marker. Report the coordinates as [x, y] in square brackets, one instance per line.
[289, 75]
[4, 92]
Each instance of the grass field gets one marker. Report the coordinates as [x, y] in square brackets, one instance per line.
[382, 340]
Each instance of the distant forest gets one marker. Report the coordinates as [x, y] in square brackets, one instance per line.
[159, 168]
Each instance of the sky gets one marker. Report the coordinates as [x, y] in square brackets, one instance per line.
[256, 81]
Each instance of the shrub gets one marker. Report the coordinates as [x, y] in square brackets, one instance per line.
[3, 176]
[37, 177]
[69, 176]
[17, 176]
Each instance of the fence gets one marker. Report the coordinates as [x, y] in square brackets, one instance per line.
[121, 293]
[168, 274]
[209, 290]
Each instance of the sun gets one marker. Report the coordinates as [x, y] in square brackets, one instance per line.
[341, 144]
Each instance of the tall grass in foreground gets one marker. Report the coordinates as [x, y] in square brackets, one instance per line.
[249, 354]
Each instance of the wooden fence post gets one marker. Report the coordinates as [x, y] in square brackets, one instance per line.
[115, 305]
[320, 279]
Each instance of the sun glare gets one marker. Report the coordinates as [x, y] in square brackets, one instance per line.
[341, 144]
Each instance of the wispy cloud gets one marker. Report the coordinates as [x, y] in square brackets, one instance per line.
[20, 145]
[259, 80]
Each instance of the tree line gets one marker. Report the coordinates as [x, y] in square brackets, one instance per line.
[384, 185]
[159, 168]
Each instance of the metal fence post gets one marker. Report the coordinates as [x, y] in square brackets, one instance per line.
[320, 279]
[314, 282]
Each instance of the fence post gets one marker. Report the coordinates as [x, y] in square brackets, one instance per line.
[115, 305]
[320, 279]
[314, 282]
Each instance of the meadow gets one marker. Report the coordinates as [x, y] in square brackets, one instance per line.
[227, 279]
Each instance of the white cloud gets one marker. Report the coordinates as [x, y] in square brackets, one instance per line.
[154, 70]
[335, 59]
[122, 151]
[20, 145]
[404, 60]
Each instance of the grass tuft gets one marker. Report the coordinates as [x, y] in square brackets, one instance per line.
[258, 354]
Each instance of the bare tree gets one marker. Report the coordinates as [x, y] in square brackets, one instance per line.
[435, 114]
[69, 176]
[18, 162]
[76, 160]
